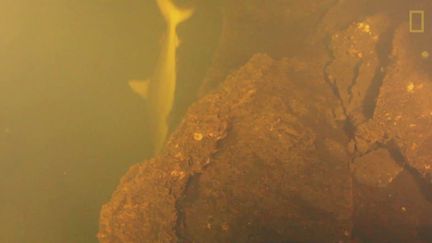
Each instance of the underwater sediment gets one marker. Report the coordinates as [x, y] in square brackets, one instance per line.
[331, 143]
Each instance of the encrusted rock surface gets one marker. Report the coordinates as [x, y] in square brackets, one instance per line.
[331, 143]
[377, 169]
[403, 111]
[258, 159]
[356, 63]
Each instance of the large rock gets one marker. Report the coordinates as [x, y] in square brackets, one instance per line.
[377, 168]
[356, 64]
[260, 159]
[331, 143]
[403, 110]
[397, 213]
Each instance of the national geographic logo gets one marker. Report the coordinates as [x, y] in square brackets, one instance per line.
[416, 21]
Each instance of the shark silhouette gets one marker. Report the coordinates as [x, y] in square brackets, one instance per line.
[160, 89]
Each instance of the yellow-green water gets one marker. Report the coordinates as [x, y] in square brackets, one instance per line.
[69, 124]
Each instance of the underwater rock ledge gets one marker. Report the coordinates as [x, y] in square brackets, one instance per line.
[330, 145]
[259, 159]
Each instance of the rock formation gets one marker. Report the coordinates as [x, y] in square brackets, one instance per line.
[331, 143]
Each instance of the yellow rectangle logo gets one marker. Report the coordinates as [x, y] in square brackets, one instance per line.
[416, 21]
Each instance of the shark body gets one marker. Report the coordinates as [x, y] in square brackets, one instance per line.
[160, 90]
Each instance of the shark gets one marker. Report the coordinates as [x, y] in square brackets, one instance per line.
[159, 90]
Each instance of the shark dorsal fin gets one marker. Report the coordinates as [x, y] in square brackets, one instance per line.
[140, 87]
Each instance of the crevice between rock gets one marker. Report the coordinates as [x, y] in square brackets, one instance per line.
[180, 226]
[383, 50]
[423, 184]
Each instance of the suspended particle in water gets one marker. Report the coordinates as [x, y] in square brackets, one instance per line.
[425, 54]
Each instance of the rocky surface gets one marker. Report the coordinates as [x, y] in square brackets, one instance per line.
[329, 143]
[403, 111]
[377, 168]
[223, 176]
[356, 63]
[397, 213]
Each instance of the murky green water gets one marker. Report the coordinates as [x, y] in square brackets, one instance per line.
[69, 124]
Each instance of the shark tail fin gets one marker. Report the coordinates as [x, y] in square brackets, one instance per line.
[140, 87]
[174, 15]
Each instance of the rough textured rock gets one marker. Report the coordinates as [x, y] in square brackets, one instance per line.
[396, 213]
[356, 63]
[331, 143]
[405, 104]
[223, 175]
[377, 168]
[403, 112]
